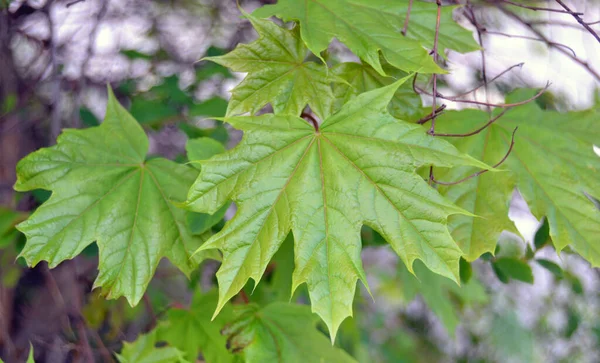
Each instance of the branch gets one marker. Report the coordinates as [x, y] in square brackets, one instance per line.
[475, 132]
[535, 8]
[510, 148]
[579, 20]
[501, 105]
[407, 18]
[532, 38]
[490, 81]
[438, 112]
[435, 59]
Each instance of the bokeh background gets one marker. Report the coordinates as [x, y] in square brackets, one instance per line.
[56, 58]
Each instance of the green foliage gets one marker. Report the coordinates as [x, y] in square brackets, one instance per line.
[541, 173]
[507, 268]
[192, 331]
[277, 74]
[104, 190]
[144, 350]
[287, 175]
[280, 332]
[368, 27]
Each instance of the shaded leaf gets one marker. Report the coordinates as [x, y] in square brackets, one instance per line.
[513, 268]
[144, 350]
[542, 236]
[551, 266]
[368, 27]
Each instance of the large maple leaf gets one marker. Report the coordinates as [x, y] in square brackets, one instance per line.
[358, 168]
[552, 164]
[277, 73]
[104, 190]
[368, 27]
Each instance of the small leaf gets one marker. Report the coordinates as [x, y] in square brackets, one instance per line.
[201, 149]
[542, 236]
[104, 190]
[144, 350]
[213, 107]
[30, 356]
[281, 332]
[277, 74]
[514, 268]
[552, 267]
[466, 271]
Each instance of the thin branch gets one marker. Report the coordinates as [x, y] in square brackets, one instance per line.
[556, 44]
[501, 105]
[68, 5]
[150, 312]
[482, 51]
[579, 20]
[510, 148]
[407, 18]
[438, 112]
[475, 132]
[581, 62]
[435, 60]
[490, 81]
[535, 8]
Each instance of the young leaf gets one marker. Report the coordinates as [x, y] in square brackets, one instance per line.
[277, 74]
[551, 266]
[542, 235]
[144, 350]
[554, 165]
[281, 332]
[104, 190]
[358, 168]
[406, 104]
[368, 27]
[192, 331]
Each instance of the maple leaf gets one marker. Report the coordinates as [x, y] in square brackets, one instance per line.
[357, 168]
[192, 330]
[367, 27]
[277, 73]
[144, 350]
[553, 165]
[281, 332]
[406, 104]
[104, 190]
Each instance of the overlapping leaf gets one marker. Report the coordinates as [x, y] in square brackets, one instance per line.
[144, 350]
[358, 168]
[192, 331]
[277, 74]
[281, 332]
[104, 190]
[368, 27]
[553, 165]
[406, 104]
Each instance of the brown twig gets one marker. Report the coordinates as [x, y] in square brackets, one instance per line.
[475, 23]
[539, 34]
[556, 44]
[501, 105]
[536, 8]
[490, 81]
[150, 312]
[244, 297]
[579, 20]
[407, 18]
[68, 5]
[431, 115]
[510, 148]
[475, 132]
[434, 96]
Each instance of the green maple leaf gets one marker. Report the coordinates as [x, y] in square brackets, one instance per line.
[104, 190]
[358, 168]
[281, 332]
[406, 104]
[192, 330]
[144, 350]
[368, 27]
[277, 73]
[552, 164]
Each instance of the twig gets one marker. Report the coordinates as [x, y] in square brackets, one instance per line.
[407, 18]
[535, 8]
[510, 148]
[438, 112]
[501, 105]
[579, 20]
[150, 312]
[475, 132]
[490, 81]
[556, 44]
[583, 63]
[483, 66]
[244, 297]
[435, 59]
[73, 3]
